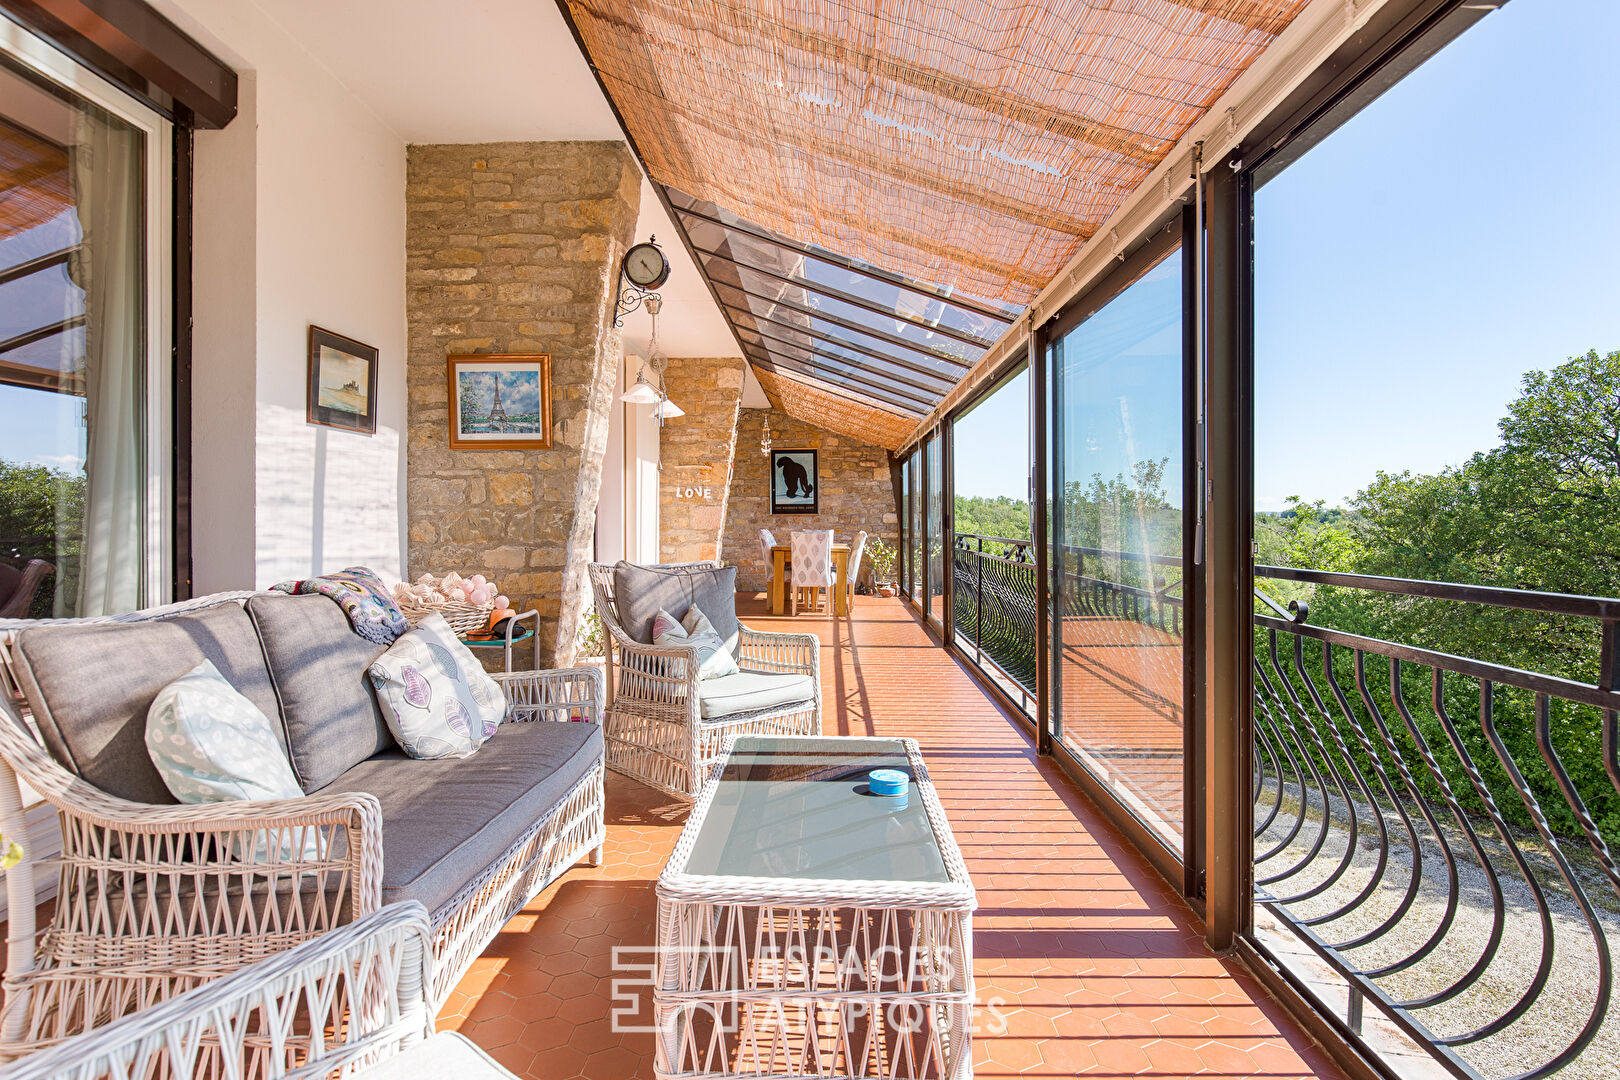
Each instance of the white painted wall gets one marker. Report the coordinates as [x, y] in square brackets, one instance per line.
[300, 219]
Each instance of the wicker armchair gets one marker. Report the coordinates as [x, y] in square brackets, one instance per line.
[353, 1003]
[155, 900]
[654, 727]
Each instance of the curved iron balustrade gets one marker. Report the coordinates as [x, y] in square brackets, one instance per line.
[1406, 850]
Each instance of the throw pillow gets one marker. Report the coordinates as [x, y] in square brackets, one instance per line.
[702, 632]
[714, 660]
[211, 744]
[435, 695]
[639, 591]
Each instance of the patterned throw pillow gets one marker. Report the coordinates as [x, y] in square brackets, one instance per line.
[438, 700]
[714, 659]
[210, 745]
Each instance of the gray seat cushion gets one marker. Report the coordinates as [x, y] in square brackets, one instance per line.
[639, 591]
[318, 668]
[446, 821]
[750, 690]
[90, 687]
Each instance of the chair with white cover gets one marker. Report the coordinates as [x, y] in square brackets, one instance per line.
[853, 575]
[812, 567]
[767, 547]
[353, 1002]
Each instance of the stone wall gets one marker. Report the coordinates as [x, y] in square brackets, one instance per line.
[856, 492]
[695, 453]
[515, 247]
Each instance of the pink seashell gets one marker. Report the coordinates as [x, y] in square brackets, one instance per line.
[418, 692]
[502, 602]
[479, 579]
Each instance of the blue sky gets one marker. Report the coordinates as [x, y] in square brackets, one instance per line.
[1457, 233]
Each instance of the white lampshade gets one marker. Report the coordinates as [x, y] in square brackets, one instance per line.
[669, 410]
[642, 393]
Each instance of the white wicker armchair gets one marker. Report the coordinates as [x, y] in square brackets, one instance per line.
[155, 900]
[352, 1003]
[654, 727]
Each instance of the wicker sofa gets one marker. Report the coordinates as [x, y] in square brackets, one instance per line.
[157, 897]
[666, 727]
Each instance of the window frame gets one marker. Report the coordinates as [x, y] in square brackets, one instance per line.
[160, 466]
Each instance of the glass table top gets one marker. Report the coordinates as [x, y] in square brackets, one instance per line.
[788, 807]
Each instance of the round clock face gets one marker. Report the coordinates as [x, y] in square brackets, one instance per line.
[646, 266]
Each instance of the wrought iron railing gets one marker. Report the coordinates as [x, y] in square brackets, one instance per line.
[994, 603]
[1456, 875]
[1453, 873]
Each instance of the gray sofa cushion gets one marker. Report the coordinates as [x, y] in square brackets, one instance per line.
[639, 591]
[90, 687]
[318, 667]
[750, 690]
[446, 821]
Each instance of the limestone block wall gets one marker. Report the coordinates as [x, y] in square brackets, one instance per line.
[695, 452]
[515, 247]
[856, 492]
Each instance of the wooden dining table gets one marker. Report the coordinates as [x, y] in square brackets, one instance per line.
[779, 581]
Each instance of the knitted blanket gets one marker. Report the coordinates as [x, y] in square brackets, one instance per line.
[363, 598]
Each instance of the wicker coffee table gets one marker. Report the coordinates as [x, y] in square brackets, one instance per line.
[808, 928]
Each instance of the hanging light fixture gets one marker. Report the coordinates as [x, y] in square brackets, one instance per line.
[765, 439]
[644, 392]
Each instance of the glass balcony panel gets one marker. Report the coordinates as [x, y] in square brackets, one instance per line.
[1118, 525]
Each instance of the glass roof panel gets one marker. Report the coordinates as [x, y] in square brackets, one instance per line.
[910, 330]
[819, 357]
[780, 320]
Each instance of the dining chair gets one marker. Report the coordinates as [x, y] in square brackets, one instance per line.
[812, 567]
[853, 574]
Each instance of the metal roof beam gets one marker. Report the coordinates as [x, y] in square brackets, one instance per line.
[844, 263]
[919, 369]
[846, 324]
[849, 298]
[851, 387]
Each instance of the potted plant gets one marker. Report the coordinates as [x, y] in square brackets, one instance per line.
[882, 555]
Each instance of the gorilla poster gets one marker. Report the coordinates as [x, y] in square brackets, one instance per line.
[795, 488]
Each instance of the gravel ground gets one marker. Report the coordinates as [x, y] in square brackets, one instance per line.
[1556, 1016]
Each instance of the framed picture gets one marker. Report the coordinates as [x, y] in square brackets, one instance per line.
[795, 488]
[342, 382]
[500, 401]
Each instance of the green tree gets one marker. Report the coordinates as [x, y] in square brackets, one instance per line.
[41, 517]
[1539, 511]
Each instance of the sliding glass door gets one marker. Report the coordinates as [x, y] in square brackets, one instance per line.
[84, 365]
[1118, 525]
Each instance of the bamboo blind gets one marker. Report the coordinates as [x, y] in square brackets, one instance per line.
[34, 185]
[977, 144]
[804, 400]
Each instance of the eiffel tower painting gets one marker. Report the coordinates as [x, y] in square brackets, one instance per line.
[497, 414]
[500, 401]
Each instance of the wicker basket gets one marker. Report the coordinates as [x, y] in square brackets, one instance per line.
[464, 618]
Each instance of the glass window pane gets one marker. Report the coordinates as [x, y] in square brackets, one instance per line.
[72, 354]
[916, 536]
[994, 602]
[1118, 522]
[936, 540]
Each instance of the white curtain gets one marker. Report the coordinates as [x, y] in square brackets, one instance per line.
[105, 164]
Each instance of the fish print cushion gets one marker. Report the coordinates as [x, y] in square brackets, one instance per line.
[714, 659]
[438, 700]
[211, 744]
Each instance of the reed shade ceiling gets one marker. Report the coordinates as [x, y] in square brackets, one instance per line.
[877, 188]
[34, 186]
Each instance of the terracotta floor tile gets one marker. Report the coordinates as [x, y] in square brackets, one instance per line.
[1086, 962]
